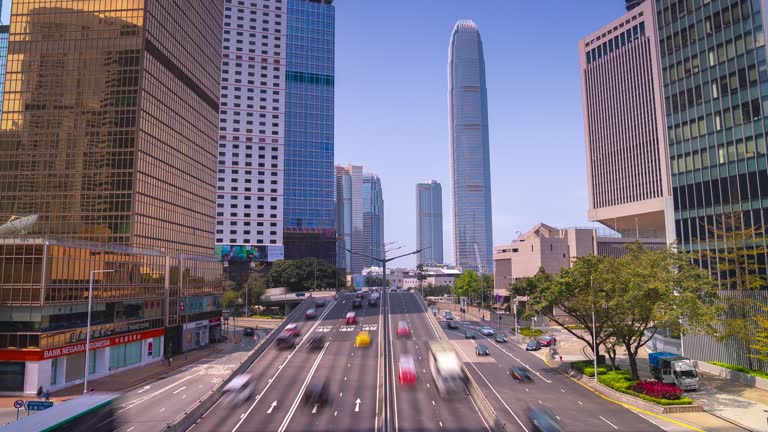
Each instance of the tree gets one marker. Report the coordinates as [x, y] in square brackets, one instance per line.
[228, 299]
[373, 281]
[646, 290]
[228, 284]
[732, 257]
[420, 276]
[761, 338]
[467, 284]
[303, 274]
[526, 286]
[486, 287]
[256, 284]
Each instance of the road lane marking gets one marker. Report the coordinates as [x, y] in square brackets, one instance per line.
[164, 410]
[129, 430]
[314, 410]
[357, 405]
[143, 390]
[179, 389]
[608, 422]
[562, 390]
[271, 407]
[580, 403]
[133, 403]
[518, 360]
[301, 391]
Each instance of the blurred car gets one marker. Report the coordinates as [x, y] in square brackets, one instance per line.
[373, 301]
[548, 341]
[350, 319]
[360, 295]
[319, 302]
[293, 329]
[311, 314]
[315, 343]
[357, 303]
[448, 315]
[219, 338]
[542, 419]
[317, 394]
[363, 339]
[500, 338]
[520, 374]
[482, 350]
[407, 373]
[242, 388]
[486, 331]
[453, 325]
[285, 340]
[402, 329]
[469, 334]
[248, 331]
[533, 345]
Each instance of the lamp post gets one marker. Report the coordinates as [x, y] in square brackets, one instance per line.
[88, 327]
[517, 327]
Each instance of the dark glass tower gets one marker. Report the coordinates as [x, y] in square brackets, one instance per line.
[469, 148]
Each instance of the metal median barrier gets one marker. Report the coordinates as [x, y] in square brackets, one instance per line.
[205, 403]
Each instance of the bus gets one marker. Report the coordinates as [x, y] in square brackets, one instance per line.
[447, 371]
[93, 412]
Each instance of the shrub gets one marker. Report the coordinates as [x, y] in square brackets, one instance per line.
[575, 327]
[526, 331]
[621, 381]
[753, 372]
[658, 390]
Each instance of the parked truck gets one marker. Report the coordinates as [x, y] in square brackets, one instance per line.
[671, 368]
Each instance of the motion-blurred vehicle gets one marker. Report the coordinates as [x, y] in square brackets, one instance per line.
[402, 329]
[317, 394]
[311, 314]
[373, 301]
[533, 345]
[453, 325]
[363, 339]
[315, 343]
[486, 331]
[293, 329]
[447, 371]
[242, 388]
[319, 302]
[548, 341]
[407, 373]
[520, 374]
[469, 334]
[248, 331]
[448, 315]
[357, 303]
[482, 350]
[350, 319]
[285, 340]
[542, 419]
[500, 338]
[359, 294]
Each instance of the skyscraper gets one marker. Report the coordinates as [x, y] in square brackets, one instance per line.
[429, 222]
[627, 156]
[249, 214]
[373, 219]
[308, 213]
[349, 217]
[469, 150]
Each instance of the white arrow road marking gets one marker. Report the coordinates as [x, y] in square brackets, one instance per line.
[271, 407]
[357, 405]
[287, 419]
[143, 389]
[179, 389]
[314, 410]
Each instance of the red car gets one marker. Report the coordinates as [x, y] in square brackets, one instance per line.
[407, 374]
[350, 318]
[402, 329]
[548, 341]
[292, 329]
[312, 313]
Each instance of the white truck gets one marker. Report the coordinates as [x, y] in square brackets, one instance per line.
[671, 368]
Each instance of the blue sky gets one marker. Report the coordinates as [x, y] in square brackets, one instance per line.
[392, 112]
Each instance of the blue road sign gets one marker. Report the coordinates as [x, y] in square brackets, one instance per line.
[300, 294]
[38, 405]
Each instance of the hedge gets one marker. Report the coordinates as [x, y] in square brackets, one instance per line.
[526, 331]
[753, 372]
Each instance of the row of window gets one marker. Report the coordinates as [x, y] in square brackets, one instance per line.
[619, 41]
[676, 10]
[256, 5]
[246, 232]
[244, 241]
[724, 85]
[727, 118]
[731, 152]
[736, 46]
[731, 189]
[246, 223]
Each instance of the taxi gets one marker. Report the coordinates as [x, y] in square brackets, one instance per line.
[407, 372]
[363, 339]
[350, 319]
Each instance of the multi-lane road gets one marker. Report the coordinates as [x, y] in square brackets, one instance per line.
[355, 377]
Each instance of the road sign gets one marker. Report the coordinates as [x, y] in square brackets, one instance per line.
[18, 404]
[38, 405]
[181, 306]
[300, 294]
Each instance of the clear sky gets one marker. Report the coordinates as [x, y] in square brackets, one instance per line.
[392, 111]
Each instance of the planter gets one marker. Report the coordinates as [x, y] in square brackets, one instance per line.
[732, 375]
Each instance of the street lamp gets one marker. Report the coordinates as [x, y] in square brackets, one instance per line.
[88, 327]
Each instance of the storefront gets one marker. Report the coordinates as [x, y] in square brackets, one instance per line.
[195, 335]
[214, 329]
[64, 366]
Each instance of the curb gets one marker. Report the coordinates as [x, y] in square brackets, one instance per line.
[727, 420]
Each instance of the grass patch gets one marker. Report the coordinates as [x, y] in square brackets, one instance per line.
[753, 372]
[622, 381]
[575, 327]
[527, 331]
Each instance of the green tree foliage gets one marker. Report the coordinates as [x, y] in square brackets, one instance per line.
[732, 259]
[420, 275]
[761, 338]
[228, 299]
[256, 284]
[303, 274]
[524, 287]
[228, 284]
[467, 285]
[374, 281]
[486, 287]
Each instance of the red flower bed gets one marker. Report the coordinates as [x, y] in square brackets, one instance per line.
[658, 390]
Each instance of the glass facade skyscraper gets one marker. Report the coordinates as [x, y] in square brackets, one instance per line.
[373, 219]
[309, 225]
[429, 222]
[349, 217]
[469, 150]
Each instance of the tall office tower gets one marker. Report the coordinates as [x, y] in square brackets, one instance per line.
[373, 219]
[4, 29]
[309, 171]
[349, 217]
[627, 164]
[249, 214]
[429, 222]
[108, 156]
[631, 4]
[713, 59]
[469, 153]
